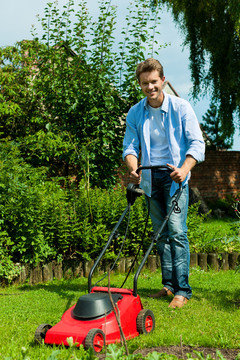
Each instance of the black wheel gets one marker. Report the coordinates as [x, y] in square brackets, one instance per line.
[95, 339]
[145, 321]
[40, 333]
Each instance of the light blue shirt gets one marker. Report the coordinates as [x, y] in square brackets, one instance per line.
[183, 134]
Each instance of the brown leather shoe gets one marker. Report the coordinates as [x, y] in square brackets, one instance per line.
[163, 292]
[178, 302]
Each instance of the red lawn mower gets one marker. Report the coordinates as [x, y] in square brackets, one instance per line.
[92, 321]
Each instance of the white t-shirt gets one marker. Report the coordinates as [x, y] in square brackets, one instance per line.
[159, 151]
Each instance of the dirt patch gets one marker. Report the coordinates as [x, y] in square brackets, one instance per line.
[181, 352]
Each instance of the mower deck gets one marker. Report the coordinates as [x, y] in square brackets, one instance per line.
[79, 325]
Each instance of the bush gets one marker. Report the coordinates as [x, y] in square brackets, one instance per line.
[196, 232]
[24, 194]
[225, 205]
[41, 221]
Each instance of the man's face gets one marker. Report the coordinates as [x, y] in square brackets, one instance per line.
[151, 85]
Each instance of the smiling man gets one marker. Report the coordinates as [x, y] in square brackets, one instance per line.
[164, 128]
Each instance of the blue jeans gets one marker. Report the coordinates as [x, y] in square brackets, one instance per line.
[172, 243]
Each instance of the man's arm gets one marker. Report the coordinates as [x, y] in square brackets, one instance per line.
[132, 164]
[179, 174]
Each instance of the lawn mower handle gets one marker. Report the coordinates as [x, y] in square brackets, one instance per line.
[150, 167]
[174, 204]
[111, 237]
[132, 192]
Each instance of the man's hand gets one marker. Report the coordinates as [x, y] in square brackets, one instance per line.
[178, 175]
[132, 164]
[134, 177]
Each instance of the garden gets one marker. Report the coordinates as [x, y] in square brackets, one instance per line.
[63, 102]
[43, 221]
[61, 140]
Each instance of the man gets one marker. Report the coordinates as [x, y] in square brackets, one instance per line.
[166, 131]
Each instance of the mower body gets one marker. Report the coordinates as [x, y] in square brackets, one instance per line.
[95, 311]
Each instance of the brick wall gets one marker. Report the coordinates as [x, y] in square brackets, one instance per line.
[218, 176]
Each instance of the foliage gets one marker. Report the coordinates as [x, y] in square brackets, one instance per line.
[65, 95]
[43, 220]
[8, 269]
[212, 125]
[24, 192]
[201, 239]
[63, 103]
[115, 352]
[236, 226]
[236, 206]
[219, 245]
[229, 205]
[196, 232]
[211, 30]
[20, 110]
[138, 44]
[76, 96]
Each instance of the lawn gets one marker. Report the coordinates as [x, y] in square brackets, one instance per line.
[210, 319]
[216, 228]
[215, 235]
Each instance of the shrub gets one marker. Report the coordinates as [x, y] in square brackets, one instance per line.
[24, 194]
[41, 221]
[196, 232]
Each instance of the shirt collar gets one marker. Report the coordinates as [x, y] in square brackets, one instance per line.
[145, 103]
[164, 106]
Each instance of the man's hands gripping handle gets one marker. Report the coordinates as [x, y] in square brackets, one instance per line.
[133, 190]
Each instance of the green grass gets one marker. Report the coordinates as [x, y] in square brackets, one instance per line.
[210, 319]
[216, 228]
[215, 235]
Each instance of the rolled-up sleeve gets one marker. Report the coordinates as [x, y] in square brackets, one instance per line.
[131, 138]
[193, 133]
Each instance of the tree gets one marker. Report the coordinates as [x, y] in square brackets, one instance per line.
[211, 30]
[81, 89]
[213, 127]
[19, 107]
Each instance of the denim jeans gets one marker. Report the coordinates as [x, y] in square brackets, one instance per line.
[172, 243]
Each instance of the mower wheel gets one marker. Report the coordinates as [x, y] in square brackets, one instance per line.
[40, 333]
[145, 321]
[95, 339]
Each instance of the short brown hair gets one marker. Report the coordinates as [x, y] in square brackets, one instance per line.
[149, 65]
